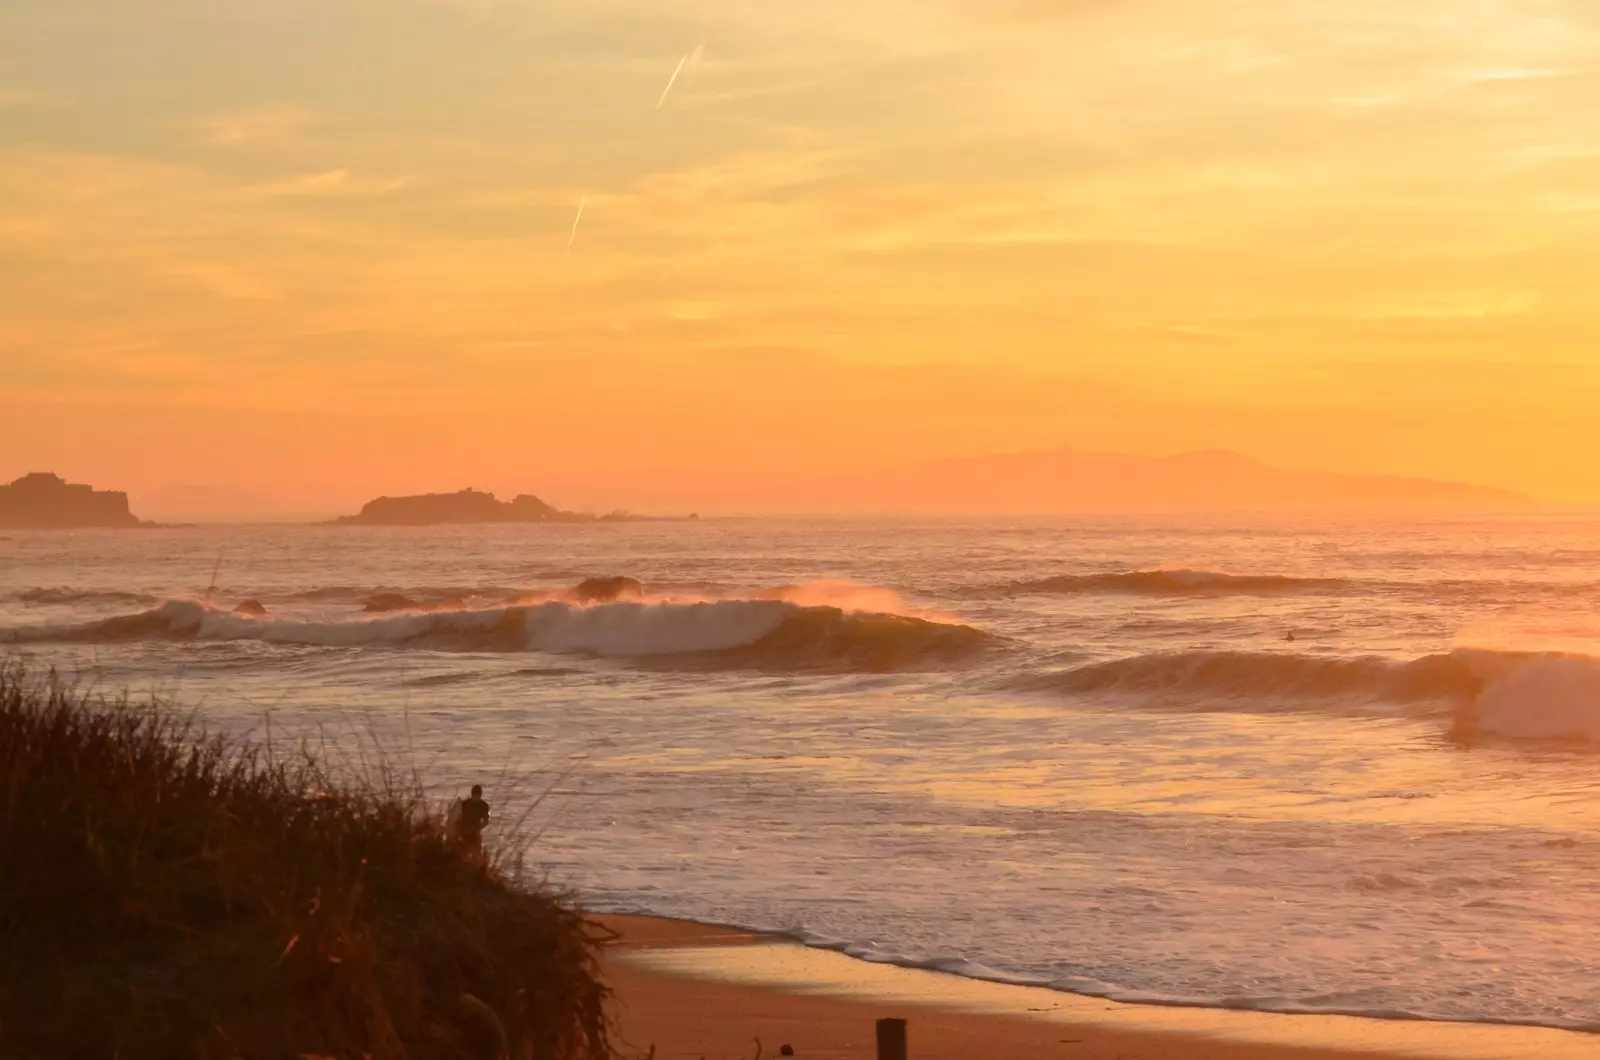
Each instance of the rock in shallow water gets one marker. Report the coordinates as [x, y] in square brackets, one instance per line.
[605, 590]
[391, 602]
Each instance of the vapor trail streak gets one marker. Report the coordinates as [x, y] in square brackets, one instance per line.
[672, 81]
[573, 237]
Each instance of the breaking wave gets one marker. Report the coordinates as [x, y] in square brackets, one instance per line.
[1516, 695]
[826, 638]
[726, 633]
[845, 595]
[1549, 697]
[1177, 583]
[1229, 675]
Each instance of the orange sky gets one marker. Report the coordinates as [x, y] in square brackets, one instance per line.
[318, 251]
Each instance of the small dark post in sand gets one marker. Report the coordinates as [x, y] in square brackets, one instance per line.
[891, 1039]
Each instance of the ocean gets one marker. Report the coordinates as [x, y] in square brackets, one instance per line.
[1293, 764]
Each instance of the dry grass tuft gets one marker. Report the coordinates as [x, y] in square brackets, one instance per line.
[165, 893]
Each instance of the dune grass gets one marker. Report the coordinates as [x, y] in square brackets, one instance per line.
[168, 893]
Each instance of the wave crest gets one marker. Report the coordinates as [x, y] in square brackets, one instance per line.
[1513, 695]
[714, 634]
[1538, 697]
[1229, 676]
[859, 642]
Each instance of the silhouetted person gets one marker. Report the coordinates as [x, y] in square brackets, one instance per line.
[472, 817]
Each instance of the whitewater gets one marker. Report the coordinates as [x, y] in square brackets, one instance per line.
[1295, 765]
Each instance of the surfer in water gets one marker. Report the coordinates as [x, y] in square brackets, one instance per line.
[471, 818]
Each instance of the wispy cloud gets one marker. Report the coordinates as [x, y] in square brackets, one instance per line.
[1042, 182]
[27, 97]
[223, 280]
[332, 182]
[254, 126]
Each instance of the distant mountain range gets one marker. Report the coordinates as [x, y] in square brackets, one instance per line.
[1064, 481]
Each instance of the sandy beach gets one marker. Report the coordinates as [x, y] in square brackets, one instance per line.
[689, 990]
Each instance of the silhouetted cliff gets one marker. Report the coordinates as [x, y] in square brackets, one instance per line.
[45, 501]
[469, 506]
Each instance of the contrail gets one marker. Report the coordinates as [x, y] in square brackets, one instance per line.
[672, 81]
[691, 61]
[573, 237]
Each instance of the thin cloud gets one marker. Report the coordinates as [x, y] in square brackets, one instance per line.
[1051, 10]
[334, 182]
[27, 97]
[254, 126]
[225, 281]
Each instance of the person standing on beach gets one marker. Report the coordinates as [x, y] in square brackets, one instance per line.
[472, 818]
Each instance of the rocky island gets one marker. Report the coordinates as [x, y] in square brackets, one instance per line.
[471, 506]
[45, 501]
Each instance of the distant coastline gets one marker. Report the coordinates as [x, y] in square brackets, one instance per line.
[43, 500]
[1043, 483]
[470, 506]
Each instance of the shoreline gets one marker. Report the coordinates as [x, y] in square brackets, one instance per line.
[705, 990]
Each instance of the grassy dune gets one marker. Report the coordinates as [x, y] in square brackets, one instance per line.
[164, 893]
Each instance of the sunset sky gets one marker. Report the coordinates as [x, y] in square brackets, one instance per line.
[320, 250]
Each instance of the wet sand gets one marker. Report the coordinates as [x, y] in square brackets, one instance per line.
[692, 991]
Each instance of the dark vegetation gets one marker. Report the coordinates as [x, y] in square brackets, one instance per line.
[165, 893]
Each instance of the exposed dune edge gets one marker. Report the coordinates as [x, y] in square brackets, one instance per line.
[699, 990]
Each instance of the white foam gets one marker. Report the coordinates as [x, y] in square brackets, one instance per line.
[634, 629]
[1555, 697]
[616, 629]
[846, 596]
